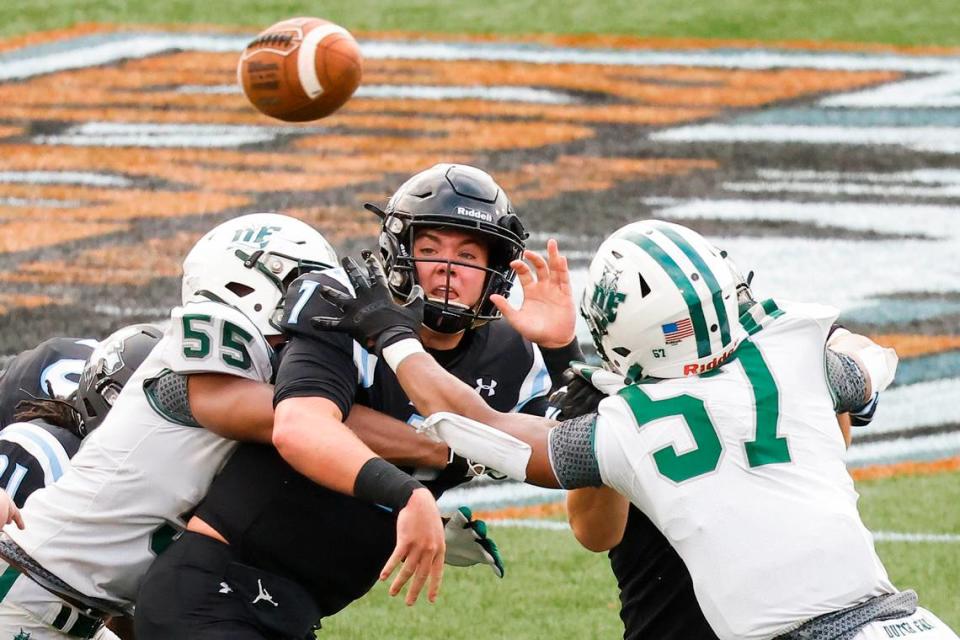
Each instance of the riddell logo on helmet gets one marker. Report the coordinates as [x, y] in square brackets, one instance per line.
[473, 213]
[696, 369]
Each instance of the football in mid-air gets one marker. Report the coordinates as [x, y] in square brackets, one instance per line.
[300, 69]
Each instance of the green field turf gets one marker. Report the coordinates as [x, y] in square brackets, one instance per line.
[883, 21]
[554, 589]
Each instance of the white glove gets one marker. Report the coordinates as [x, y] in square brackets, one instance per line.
[467, 542]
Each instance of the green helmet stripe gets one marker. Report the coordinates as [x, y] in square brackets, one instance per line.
[715, 290]
[683, 284]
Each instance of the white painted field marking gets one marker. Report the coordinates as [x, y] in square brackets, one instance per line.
[843, 189]
[878, 536]
[123, 134]
[908, 449]
[83, 178]
[928, 219]
[115, 48]
[915, 405]
[893, 536]
[125, 312]
[39, 202]
[916, 176]
[936, 92]
[489, 93]
[932, 139]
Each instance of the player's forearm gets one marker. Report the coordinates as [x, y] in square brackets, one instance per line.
[313, 440]
[396, 441]
[232, 407]
[598, 517]
[843, 419]
[432, 388]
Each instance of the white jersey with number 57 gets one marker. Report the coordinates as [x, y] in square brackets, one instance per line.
[138, 476]
[742, 470]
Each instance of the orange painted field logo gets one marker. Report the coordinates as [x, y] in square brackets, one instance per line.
[823, 170]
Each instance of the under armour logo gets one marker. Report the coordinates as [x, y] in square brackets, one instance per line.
[225, 588]
[489, 388]
[264, 595]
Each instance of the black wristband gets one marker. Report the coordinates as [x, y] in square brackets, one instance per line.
[394, 334]
[381, 483]
[557, 360]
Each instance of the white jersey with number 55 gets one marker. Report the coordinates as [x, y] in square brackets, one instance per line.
[139, 475]
[742, 470]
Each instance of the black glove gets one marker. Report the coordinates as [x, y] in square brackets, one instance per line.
[577, 397]
[372, 317]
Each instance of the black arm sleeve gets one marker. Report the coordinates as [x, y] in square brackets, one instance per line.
[536, 407]
[557, 360]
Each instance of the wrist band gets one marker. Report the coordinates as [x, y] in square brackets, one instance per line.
[398, 351]
[381, 483]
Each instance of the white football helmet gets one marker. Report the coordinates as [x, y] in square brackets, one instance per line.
[661, 302]
[249, 261]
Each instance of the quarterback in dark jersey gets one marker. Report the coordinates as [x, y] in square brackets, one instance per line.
[451, 231]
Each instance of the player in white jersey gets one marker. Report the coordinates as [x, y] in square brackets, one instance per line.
[37, 446]
[723, 432]
[91, 536]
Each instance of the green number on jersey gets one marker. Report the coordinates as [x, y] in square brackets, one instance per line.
[765, 448]
[229, 339]
[200, 348]
[679, 467]
[233, 339]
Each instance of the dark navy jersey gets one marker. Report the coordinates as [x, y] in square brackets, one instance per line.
[52, 366]
[656, 592]
[332, 544]
[33, 455]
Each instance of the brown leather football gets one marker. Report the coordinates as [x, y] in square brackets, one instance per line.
[300, 69]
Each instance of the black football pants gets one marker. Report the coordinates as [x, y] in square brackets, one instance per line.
[196, 590]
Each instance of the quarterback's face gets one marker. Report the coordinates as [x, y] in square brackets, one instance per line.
[458, 283]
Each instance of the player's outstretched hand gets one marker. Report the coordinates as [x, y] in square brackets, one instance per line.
[548, 315]
[9, 511]
[372, 316]
[468, 544]
[420, 547]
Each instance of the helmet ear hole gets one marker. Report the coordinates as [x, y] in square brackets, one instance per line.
[239, 289]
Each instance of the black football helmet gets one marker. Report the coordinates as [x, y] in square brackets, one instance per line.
[110, 366]
[451, 196]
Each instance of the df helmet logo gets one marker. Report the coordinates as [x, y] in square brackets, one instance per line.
[256, 236]
[606, 298]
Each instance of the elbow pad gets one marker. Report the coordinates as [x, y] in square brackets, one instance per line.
[879, 363]
[167, 395]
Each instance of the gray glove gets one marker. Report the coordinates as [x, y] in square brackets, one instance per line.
[467, 542]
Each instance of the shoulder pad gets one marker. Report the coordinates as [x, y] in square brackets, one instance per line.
[823, 315]
[212, 337]
[303, 302]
